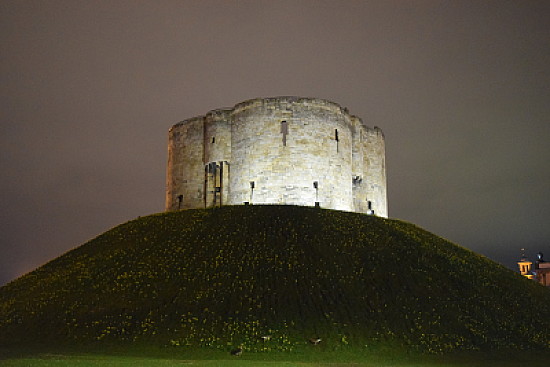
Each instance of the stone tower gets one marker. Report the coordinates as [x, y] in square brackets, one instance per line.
[282, 150]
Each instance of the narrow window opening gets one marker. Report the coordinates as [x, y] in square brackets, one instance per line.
[316, 187]
[369, 210]
[180, 200]
[284, 131]
[336, 138]
[213, 139]
[251, 190]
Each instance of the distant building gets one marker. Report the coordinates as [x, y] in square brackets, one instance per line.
[525, 267]
[540, 272]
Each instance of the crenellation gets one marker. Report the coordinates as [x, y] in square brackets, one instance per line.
[282, 150]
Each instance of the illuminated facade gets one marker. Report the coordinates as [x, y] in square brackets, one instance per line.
[540, 272]
[282, 150]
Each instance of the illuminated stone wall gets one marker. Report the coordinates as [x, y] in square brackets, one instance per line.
[185, 174]
[284, 150]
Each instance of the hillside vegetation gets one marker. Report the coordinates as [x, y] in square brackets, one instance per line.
[227, 277]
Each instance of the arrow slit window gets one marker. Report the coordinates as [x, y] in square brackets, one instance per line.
[284, 131]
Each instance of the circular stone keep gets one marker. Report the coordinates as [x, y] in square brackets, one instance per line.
[283, 150]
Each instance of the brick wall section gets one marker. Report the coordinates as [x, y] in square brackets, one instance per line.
[374, 163]
[185, 174]
[217, 151]
[283, 145]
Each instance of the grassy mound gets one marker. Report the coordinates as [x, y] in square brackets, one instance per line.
[228, 277]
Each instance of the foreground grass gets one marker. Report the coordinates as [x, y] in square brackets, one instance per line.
[56, 360]
[209, 357]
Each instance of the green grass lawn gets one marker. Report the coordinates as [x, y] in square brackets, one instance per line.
[83, 361]
[160, 358]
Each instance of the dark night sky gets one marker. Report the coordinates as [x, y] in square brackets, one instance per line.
[89, 89]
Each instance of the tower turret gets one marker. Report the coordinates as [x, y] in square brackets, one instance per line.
[525, 265]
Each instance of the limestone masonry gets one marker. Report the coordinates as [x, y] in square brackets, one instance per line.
[282, 150]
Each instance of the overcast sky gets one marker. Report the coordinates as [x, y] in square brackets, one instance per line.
[89, 90]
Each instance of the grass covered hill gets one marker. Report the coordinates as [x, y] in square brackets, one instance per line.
[227, 277]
